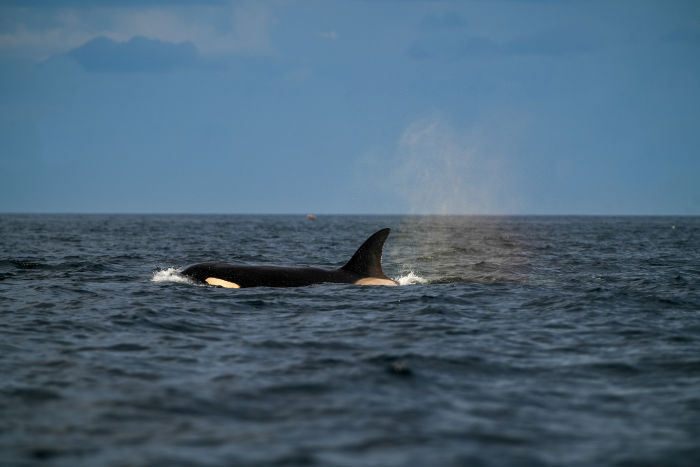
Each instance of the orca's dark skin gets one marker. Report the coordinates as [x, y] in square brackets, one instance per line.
[364, 268]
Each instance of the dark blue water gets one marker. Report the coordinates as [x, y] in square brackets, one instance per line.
[532, 341]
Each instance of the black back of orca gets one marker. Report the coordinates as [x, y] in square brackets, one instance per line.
[364, 267]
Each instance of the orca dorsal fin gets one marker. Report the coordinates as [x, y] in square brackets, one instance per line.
[367, 260]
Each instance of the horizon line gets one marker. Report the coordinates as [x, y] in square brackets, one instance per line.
[163, 213]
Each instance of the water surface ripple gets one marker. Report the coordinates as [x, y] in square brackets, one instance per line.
[519, 341]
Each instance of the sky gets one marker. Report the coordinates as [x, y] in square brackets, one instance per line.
[350, 107]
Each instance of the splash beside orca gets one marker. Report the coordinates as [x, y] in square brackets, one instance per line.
[364, 268]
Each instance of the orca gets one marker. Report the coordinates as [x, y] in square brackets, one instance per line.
[364, 268]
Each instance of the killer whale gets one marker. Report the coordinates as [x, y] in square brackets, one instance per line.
[364, 268]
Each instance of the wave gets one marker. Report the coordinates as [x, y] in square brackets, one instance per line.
[411, 279]
[171, 275]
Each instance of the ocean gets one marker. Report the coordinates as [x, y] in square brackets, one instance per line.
[512, 341]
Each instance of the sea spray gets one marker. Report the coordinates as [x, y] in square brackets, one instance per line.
[410, 279]
[171, 275]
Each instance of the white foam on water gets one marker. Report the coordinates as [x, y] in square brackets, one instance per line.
[170, 275]
[410, 279]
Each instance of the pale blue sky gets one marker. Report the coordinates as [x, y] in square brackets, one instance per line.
[467, 107]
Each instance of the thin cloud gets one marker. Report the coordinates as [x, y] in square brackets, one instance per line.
[464, 46]
[447, 20]
[216, 28]
[139, 54]
[552, 43]
[108, 3]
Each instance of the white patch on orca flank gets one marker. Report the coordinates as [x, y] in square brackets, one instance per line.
[222, 283]
[374, 281]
